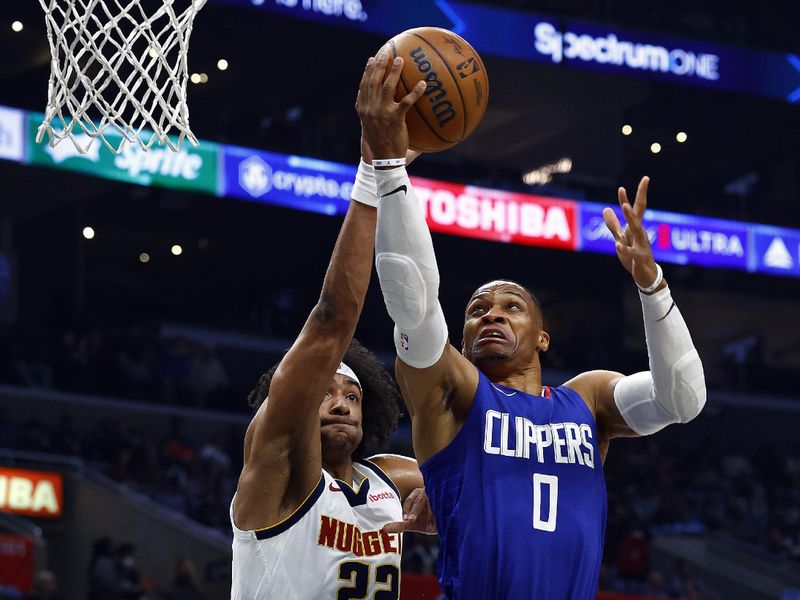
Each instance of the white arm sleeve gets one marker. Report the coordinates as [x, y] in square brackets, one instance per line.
[674, 390]
[407, 271]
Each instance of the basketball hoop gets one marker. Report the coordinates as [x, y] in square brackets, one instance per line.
[118, 72]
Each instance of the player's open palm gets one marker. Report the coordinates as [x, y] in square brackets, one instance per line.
[631, 242]
[383, 121]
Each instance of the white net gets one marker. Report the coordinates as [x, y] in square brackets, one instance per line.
[118, 72]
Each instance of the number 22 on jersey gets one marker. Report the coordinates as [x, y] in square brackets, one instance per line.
[358, 576]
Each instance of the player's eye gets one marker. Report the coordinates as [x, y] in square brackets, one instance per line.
[514, 305]
[477, 310]
[352, 397]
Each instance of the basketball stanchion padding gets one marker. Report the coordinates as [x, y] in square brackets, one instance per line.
[118, 72]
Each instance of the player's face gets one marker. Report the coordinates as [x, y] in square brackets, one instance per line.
[340, 414]
[502, 323]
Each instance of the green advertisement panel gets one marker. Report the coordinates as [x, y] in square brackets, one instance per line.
[190, 169]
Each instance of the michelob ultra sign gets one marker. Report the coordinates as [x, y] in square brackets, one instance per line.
[31, 493]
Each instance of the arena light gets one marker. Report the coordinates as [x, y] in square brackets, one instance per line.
[17, 26]
[153, 53]
[88, 233]
[222, 64]
[545, 174]
[655, 147]
[144, 257]
[195, 78]
[627, 130]
[681, 137]
[176, 250]
[203, 78]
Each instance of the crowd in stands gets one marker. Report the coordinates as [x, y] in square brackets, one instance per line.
[654, 486]
[141, 363]
[114, 575]
[137, 364]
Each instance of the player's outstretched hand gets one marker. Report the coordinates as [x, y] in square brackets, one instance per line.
[632, 244]
[383, 121]
[417, 515]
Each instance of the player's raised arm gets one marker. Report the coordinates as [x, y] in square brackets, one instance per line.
[429, 369]
[673, 390]
[283, 440]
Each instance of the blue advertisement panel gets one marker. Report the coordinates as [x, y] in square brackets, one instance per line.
[674, 60]
[776, 251]
[531, 37]
[12, 134]
[675, 238]
[292, 181]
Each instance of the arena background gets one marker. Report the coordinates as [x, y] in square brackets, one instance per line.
[125, 367]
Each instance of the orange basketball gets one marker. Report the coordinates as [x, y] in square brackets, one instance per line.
[458, 86]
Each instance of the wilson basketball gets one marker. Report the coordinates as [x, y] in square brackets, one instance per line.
[457, 86]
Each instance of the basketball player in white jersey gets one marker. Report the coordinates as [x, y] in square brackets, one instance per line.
[309, 514]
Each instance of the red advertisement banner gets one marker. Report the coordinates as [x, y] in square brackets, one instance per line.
[31, 493]
[16, 561]
[497, 215]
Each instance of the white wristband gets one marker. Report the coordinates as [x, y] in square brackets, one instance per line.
[656, 283]
[365, 188]
[389, 162]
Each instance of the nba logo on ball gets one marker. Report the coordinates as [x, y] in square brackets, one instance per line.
[255, 176]
[404, 341]
[467, 68]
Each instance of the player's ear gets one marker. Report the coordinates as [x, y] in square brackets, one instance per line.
[544, 341]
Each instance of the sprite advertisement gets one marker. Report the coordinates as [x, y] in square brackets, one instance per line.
[190, 169]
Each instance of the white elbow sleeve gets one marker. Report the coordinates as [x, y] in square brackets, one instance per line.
[407, 271]
[674, 389]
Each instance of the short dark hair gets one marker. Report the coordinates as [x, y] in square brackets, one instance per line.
[536, 302]
[381, 398]
[530, 293]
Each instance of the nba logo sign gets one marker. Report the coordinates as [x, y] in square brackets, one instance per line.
[404, 341]
[467, 68]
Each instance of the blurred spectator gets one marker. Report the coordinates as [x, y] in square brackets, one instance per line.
[45, 587]
[656, 585]
[207, 376]
[130, 578]
[105, 577]
[27, 367]
[175, 367]
[185, 584]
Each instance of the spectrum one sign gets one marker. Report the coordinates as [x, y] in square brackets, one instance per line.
[31, 493]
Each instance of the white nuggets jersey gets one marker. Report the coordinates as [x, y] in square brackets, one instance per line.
[330, 548]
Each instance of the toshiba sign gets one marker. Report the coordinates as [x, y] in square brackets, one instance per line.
[497, 215]
[31, 493]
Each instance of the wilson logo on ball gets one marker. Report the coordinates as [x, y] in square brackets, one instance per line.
[435, 92]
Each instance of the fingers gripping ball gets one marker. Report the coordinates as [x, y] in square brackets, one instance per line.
[457, 89]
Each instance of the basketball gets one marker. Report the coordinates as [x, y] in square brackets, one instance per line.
[457, 92]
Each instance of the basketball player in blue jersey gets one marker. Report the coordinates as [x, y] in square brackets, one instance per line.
[513, 469]
[310, 512]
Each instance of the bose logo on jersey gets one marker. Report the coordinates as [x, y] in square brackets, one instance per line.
[570, 443]
[346, 537]
[381, 496]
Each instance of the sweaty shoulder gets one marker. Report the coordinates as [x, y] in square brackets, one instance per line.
[593, 387]
[403, 472]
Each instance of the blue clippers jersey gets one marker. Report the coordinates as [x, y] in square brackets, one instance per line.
[520, 498]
